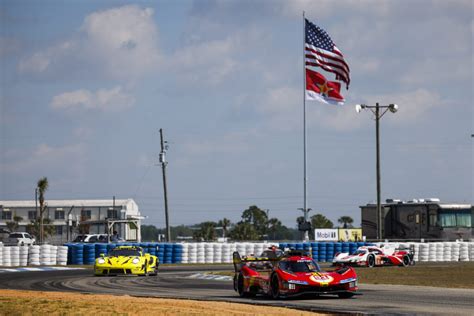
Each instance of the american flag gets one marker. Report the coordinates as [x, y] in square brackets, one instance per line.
[320, 51]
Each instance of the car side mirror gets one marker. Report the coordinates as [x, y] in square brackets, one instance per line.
[102, 255]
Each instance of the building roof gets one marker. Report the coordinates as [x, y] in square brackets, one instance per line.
[66, 203]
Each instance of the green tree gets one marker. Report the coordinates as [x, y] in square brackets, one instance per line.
[321, 221]
[206, 232]
[149, 233]
[42, 186]
[346, 221]
[257, 217]
[13, 225]
[34, 227]
[244, 231]
[274, 225]
[224, 223]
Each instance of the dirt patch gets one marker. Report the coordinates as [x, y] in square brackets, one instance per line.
[14, 302]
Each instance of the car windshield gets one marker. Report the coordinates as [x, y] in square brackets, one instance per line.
[79, 238]
[359, 252]
[300, 266]
[124, 253]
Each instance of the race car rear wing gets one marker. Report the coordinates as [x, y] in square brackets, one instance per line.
[239, 261]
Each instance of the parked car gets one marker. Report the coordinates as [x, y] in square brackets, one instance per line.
[84, 238]
[20, 239]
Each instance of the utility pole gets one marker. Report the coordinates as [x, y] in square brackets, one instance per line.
[376, 111]
[163, 162]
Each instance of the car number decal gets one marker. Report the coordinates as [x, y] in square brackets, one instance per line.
[324, 279]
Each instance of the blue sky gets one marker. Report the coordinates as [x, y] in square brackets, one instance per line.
[86, 86]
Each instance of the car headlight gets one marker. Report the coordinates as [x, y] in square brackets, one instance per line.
[101, 261]
[135, 261]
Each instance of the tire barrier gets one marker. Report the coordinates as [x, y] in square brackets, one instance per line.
[213, 252]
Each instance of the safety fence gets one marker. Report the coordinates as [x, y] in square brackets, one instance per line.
[213, 252]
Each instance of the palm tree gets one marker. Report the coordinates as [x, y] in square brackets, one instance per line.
[274, 224]
[224, 223]
[42, 186]
[346, 221]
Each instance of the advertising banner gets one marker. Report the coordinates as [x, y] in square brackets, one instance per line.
[350, 234]
[326, 234]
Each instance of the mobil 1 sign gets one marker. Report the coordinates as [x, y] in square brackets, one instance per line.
[326, 234]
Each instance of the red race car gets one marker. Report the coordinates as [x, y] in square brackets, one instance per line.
[290, 274]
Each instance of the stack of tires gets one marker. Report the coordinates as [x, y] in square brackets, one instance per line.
[322, 251]
[7, 260]
[15, 256]
[471, 251]
[464, 251]
[185, 253]
[424, 252]
[1, 254]
[455, 252]
[160, 252]
[77, 254]
[314, 250]
[89, 254]
[23, 256]
[217, 252]
[226, 253]
[45, 255]
[447, 251]
[34, 256]
[416, 247]
[62, 255]
[209, 252]
[201, 253]
[54, 256]
[177, 253]
[168, 254]
[432, 252]
[192, 253]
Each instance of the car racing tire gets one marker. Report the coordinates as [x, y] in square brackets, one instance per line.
[406, 261]
[275, 286]
[240, 287]
[345, 295]
[371, 261]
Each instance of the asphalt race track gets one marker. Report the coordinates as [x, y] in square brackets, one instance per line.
[174, 282]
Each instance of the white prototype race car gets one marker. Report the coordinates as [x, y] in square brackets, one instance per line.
[372, 256]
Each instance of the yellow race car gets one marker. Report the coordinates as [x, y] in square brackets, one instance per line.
[125, 260]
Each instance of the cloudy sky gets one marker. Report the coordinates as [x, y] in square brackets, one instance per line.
[86, 86]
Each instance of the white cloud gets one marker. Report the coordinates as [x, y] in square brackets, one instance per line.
[45, 158]
[207, 62]
[124, 39]
[113, 99]
[120, 43]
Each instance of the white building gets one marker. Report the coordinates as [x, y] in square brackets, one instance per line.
[70, 216]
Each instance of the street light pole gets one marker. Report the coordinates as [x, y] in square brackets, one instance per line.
[377, 159]
[376, 111]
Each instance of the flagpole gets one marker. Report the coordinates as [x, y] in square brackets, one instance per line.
[305, 209]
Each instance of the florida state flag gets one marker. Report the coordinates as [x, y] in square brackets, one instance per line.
[319, 89]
